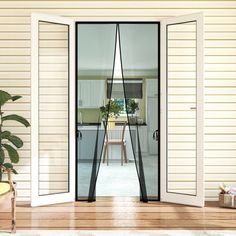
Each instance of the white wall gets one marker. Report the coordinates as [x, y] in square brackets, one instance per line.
[220, 67]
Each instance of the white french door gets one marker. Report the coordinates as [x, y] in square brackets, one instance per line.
[182, 175]
[53, 109]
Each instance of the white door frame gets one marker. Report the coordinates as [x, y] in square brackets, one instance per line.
[166, 196]
[36, 199]
[70, 196]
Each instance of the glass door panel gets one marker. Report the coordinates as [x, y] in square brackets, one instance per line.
[52, 122]
[53, 109]
[182, 84]
[181, 108]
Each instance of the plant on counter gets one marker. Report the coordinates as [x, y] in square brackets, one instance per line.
[132, 106]
[9, 143]
[111, 109]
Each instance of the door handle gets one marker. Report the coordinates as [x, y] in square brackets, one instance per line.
[79, 135]
[155, 135]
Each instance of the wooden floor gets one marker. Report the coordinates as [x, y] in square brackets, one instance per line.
[120, 213]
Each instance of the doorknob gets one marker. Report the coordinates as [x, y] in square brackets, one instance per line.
[155, 135]
[79, 134]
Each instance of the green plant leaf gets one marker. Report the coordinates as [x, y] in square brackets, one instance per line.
[4, 97]
[13, 154]
[8, 165]
[17, 118]
[14, 171]
[15, 141]
[2, 156]
[5, 134]
[14, 98]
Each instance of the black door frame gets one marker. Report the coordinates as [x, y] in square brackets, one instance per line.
[159, 95]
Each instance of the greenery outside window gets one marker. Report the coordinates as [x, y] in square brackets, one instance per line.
[132, 105]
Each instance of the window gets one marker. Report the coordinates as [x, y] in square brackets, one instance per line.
[121, 103]
[133, 88]
[131, 109]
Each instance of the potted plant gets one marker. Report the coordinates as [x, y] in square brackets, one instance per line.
[9, 143]
[132, 107]
[110, 111]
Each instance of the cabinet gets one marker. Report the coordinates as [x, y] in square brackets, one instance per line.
[151, 114]
[91, 93]
[87, 142]
[152, 121]
[151, 88]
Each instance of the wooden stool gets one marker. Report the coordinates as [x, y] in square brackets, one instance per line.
[8, 192]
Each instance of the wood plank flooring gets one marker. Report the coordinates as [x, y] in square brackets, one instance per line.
[120, 213]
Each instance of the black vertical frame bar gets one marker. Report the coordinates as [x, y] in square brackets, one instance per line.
[159, 95]
[76, 107]
[159, 108]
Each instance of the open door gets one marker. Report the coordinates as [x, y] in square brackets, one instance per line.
[182, 175]
[53, 110]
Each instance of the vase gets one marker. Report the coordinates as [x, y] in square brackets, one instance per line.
[111, 123]
[132, 120]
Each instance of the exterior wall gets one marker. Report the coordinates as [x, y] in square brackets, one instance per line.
[220, 70]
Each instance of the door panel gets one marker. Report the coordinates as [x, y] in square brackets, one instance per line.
[52, 118]
[56, 135]
[175, 72]
[95, 51]
[139, 55]
[182, 106]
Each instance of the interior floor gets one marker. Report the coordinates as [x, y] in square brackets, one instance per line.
[120, 213]
[117, 180]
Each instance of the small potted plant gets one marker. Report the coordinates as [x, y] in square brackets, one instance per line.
[111, 109]
[132, 107]
[9, 143]
[110, 112]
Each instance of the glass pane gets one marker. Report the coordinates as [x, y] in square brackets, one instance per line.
[139, 53]
[181, 108]
[53, 108]
[96, 45]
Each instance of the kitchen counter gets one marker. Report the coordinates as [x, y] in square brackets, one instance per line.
[88, 139]
[119, 124]
[89, 124]
[116, 123]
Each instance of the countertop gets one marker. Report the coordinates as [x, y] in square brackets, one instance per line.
[98, 124]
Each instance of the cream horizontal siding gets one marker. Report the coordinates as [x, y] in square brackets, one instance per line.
[220, 76]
